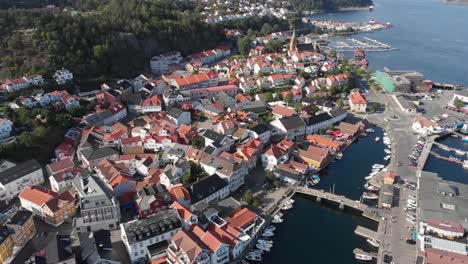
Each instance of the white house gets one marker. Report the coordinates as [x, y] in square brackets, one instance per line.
[208, 189]
[424, 126]
[273, 156]
[293, 127]
[34, 79]
[262, 132]
[63, 76]
[6, 126]
[15, 177]
[357, 102]
[139, 236]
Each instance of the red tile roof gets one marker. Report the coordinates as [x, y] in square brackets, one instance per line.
[283, 111]
[437, 256]
[183, 212]
[357, 98]
[179, 192]
[61, 165]
[242, 218]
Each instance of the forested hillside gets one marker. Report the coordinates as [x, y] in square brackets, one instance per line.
[327, 5]
[117, 38]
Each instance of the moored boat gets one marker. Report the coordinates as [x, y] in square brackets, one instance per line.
[361, 254]
[286, 207]
[268, 234]
[465, 164]
[254, 257]
[378, 166]
[388, 151]
[263, 247]
[369, 130]
[371, 187]
[373, 242]
[270, 228]
[277, 221]
[377, 139]
[290, 201]
[370, 196]
[387, 157]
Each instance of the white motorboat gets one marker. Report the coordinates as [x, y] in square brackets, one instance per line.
[263, 247]
[256, 252]
[370, 187]
[377, 139]
[387, 151]
[277, 221]
[290, 201]
[254, 257]
[465, 164]
[370, 196]
[270, 228]
[265, 242]
[369, 177]
[361, 254]
[278, 215]
[369, 130]
[384, 169]
[286, 207]
[387, 157]
[268, 234]
[373, 242]
[375, 171]
[378, 166]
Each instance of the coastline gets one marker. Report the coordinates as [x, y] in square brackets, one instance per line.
[463, 2]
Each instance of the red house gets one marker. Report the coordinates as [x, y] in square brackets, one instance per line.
[152, 199]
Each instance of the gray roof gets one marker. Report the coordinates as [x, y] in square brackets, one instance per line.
[98, 153]
[175, 112]
[154, 225]
[206, 187]
[292, 122]
[434, 192]
[19, 171]
[88, 186]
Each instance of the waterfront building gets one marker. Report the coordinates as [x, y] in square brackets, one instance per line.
[52, 207]
[386, 196]
[99, 208]
[433, 256]
[425, 126]
[314, 156]
[15, 177]
[325, 142]
[149, 238]
[187, 248]
[443, 207]
[463, 97]
[398, 81]
[357, 102]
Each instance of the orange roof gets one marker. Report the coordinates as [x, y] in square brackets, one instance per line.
[241, 218]
[223, 235]
[424, 122]
[283, 110]
[183, 212]
[323, 141]
[117, 180]
[178, 192]
[357, 98]
[211, 241]
[37, 194]
[314, 153]
[390, 175]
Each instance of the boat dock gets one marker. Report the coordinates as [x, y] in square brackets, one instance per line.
[366, 44]
[340, 200]
[447, 148]
[367, 233]
[425, 152]
[447, 159]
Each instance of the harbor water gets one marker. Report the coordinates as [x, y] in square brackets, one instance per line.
[430, 36]
[314, 233]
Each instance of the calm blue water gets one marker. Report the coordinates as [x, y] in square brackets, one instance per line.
[448, 170]
[431, 37]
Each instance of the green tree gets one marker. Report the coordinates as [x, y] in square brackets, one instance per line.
[287, 98]
[248, 197]
[243, 44]
[266, 29]
[187, 178]
[458, 103]
[198, 142]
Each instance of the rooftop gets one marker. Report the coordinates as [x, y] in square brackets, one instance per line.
[159, 223]
[22, 169]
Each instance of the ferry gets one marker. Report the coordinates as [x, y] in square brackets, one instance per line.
[361, 254]
[373, 242]
[370, 196]
[378, 166]
[377, 139]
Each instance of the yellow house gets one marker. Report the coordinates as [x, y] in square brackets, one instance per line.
[22, 226]
[6, 244]
[314, 156]
[389, 178]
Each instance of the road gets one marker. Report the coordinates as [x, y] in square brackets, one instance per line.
[397, 124]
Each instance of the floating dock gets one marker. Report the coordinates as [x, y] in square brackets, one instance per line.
[367, 44]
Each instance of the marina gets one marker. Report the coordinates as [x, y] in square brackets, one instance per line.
[366, 44]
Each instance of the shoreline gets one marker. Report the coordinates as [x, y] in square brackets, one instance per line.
[463, 2]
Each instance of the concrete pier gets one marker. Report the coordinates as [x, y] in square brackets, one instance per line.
[367, 233]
